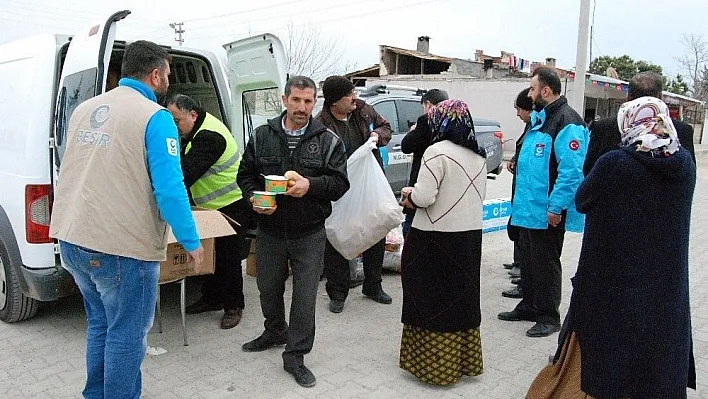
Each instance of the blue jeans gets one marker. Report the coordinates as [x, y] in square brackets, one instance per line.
[119, 296]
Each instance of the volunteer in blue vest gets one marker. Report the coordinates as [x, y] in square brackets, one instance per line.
[210, 161]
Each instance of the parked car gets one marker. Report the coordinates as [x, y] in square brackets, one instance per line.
[46, 77]
[401, 107]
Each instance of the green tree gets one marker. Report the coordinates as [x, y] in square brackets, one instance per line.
[624, 65]
[677, 85]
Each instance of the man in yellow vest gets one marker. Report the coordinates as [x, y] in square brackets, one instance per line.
[210, 161]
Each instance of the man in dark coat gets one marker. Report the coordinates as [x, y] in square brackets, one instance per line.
[416, 141]
[605, 135]
[354, 121]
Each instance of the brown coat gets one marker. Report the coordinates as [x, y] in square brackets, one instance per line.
[364, 116]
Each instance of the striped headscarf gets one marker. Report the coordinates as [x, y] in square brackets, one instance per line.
[645, 123]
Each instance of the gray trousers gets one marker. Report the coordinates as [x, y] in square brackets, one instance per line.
[306, 261]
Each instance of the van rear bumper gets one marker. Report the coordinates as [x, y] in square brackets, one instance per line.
[47, 284]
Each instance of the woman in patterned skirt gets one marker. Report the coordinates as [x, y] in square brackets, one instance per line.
[442, 253]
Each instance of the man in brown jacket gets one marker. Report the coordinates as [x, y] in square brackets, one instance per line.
[354, 121]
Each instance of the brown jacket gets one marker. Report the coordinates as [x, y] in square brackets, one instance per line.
[364, 116]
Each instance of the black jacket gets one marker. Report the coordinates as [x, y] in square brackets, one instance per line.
[605, 136]
[319, 156]
[206, 149]
[416, 142]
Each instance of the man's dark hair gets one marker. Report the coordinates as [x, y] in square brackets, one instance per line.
[645, 84]
[184, 103]
[300, 82]
[523, 101]
[435, 96]
[548, 77]
[142, 57]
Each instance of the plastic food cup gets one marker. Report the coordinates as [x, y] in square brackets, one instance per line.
[264, 199]
[276, 184]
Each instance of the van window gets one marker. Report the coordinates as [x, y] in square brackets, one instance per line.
[387, 109]
[258, 107]
[76, 89]
[408, 112]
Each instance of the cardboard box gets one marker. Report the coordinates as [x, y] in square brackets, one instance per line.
[210, 224]
[495, 214]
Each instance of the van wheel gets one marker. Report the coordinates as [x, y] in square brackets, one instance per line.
[14, 305]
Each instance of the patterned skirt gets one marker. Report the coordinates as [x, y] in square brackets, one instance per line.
[441, 358]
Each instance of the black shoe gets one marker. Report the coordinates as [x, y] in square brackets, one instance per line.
[303, 375]
[515, 271]
[231, 318]
[542, 330]
[336, 306]
[515, 292]
[380, 296]
[516, 280]
[516, 315]
[508, 265]
[265, 341]
[201, 306]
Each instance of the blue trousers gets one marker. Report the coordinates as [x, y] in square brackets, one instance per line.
[119, 296]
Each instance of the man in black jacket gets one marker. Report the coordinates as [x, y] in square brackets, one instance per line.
[313, 158]
[416, 141]
[605, 134]
[209, 163]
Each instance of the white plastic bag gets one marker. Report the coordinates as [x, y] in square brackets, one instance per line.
[368, 211]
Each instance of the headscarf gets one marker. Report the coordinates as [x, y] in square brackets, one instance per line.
[451, 120]
[645, 123]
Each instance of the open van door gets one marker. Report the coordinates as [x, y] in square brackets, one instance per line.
[83, 75]
[257, 72]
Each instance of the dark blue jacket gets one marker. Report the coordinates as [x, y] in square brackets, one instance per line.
[630, 305]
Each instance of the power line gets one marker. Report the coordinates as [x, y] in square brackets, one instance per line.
[339, 19]
[273, 17]
[34, 7]
[246, 11]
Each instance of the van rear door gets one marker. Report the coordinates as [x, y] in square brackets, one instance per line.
[257, 72]
[83, 75]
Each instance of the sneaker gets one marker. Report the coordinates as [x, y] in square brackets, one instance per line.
[302, 375]
[336, 306]
[202, 306]
[231, 318]
[265, 341]
[380, 296]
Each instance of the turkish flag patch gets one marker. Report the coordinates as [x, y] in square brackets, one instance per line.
[574, 145]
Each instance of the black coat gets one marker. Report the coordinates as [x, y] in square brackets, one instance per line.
[605, 136]
[319, 156]
[630, 305]
[416, 142]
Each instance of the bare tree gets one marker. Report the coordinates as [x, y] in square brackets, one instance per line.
[693, 63]
[313, 54]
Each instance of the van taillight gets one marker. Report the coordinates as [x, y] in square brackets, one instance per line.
[499, 135]
[38, 207]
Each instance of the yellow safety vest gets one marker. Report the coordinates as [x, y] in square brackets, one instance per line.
[217, 187]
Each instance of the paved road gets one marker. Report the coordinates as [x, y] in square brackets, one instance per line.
[355, 354]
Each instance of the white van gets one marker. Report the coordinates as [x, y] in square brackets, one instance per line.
[42, 80]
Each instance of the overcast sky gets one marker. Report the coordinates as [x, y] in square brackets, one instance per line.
[650, 30]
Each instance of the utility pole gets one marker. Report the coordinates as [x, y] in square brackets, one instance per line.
[177, 26]
[581, 59]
